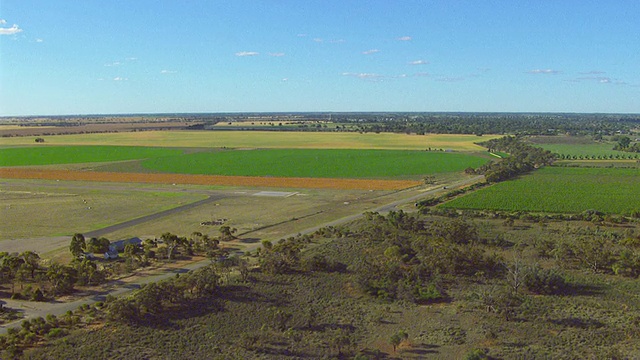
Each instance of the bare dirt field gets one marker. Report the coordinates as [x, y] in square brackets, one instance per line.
[305, 183]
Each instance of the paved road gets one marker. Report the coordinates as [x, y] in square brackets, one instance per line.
[33, 309]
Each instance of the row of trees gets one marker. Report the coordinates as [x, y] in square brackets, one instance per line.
[522, 158]
[599, 157]
[44, 280]
[40, 280]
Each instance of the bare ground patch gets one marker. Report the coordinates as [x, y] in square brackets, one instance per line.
[309, 183]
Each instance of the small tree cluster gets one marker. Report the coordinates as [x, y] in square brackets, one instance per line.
[281, 257]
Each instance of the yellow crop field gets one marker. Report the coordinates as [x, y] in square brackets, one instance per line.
[263, 139]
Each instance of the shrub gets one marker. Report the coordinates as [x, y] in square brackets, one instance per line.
[544, 282]
[429, 293]
[476, 354]
[56, 333]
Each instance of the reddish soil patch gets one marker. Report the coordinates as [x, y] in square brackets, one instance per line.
[308, 183]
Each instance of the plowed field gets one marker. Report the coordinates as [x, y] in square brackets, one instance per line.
[309, 183]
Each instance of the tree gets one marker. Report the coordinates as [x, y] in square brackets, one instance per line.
[31, 261]
[243, 269]
[99, 246]
[149, 299]
[227, 232]
[9, 265]
[87, 273]
[133, 251]
[62, 278]
[172, 241]
[206, 281]
[515, 274]
[397, 338]
[123, 310]
[623, 142]
[78, 245]
[280, 258]
[342, 340]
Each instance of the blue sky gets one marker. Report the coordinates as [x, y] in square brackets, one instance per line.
[95, 57]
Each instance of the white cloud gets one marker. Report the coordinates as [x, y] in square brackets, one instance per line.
[544, 71]
[10, 31]
[115, 63]
[419, 62]
[422, 74]
[247, 53]
[368, 76]
[301, 35]
[285, 79]
[331, 41]
[39, 40]
[277, 54]
[168, 71]
[450, 79]
[600, 79]
[372, 51]
[119, 78]
[405, 38]
[131, 59]
[3, 21]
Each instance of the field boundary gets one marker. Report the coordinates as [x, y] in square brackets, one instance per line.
[251, 181]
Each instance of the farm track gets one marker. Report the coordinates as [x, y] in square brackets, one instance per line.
[304, 183]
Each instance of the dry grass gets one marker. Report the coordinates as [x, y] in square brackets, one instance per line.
[264, 139]
[31, 212]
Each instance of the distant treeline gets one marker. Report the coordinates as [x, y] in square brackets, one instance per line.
[413, 123]
[494, 123]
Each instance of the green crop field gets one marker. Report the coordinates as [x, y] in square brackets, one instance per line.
[48, 155]
[578, 146]
[589, 150]
[263, 139]
[561, 190]
[320, 163]
[315, 163]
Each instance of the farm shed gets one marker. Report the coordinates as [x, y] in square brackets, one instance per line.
[118, 246]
